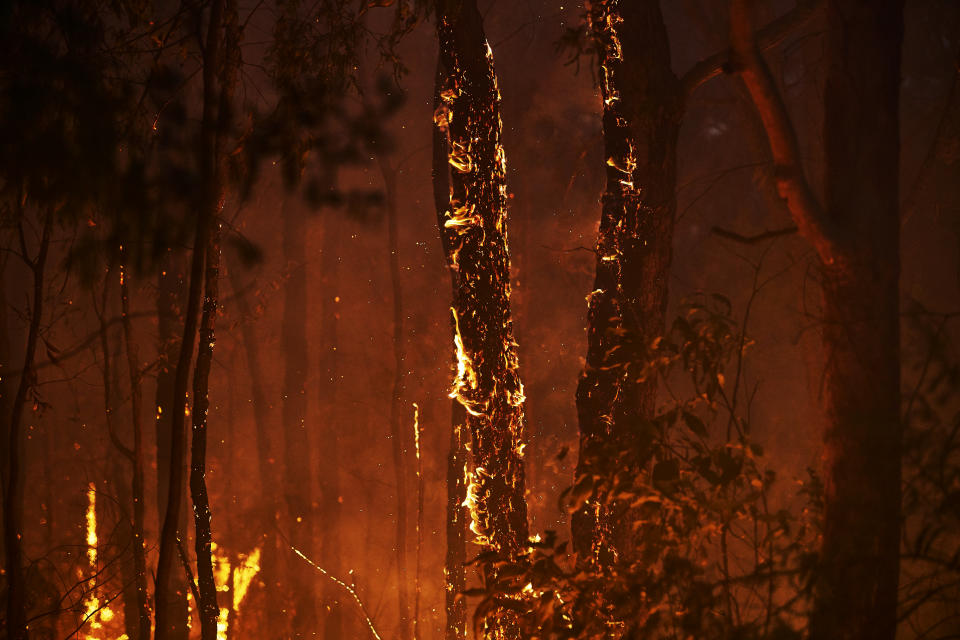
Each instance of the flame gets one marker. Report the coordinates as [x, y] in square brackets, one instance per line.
[95, 611]
[235, 579]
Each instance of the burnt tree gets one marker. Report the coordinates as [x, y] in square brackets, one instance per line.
[473, 228]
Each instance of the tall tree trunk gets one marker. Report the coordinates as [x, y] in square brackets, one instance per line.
[297, 467]
[13, 495]
[206, 586]
[473, 231]
[329, 472]
[136, 395]
[269, 490]
[856, 235]
[396, 399]
[857, 593]
[642, 110]
[207, 207]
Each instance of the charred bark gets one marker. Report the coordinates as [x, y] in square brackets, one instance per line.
[642, 110]
[472, 226]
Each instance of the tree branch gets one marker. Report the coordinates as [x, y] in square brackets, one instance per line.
[754, 239]
[792, 186]
[769, 36]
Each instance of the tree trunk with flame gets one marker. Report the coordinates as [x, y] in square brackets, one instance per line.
[856, 234]
[642, 109]
[473, 228]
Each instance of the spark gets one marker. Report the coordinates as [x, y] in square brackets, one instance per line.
[349, 589]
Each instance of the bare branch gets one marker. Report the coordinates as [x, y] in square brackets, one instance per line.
[754, 239]
[792, 186]
[769, 36]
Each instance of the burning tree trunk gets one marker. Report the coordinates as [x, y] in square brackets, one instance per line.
[642, 109]
[13, 495]
[856, 235]
[396, 399]
[473, 230]
[206, 586]
[297, 470]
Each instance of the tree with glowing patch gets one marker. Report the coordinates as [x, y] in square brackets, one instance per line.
[473, 227]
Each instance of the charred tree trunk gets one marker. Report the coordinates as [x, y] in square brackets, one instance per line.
[856, 235]
[206, 586]
[642, 110]
[329, 473]
[13, 495]
[208, 205]
[396, 399]
[473, 230]
[297, 467]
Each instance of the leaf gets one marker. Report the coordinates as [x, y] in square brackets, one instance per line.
[695, 424]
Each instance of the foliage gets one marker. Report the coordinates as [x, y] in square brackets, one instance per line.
[723, 552]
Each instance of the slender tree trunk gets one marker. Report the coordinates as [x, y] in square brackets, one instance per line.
[13, 496]
[207, 207]
[329, 472]
[297, 467]
[170, 302]
[642, 109]
[856, 596]
[206, 586]
[473, 231]
[396, 399]
[136, 395]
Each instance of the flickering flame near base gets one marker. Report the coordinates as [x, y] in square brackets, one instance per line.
[95, 612]
[349, 589]
[236, 580]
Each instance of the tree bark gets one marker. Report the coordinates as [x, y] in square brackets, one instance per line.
[473, 231]
[642, 111]
[13, 495]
